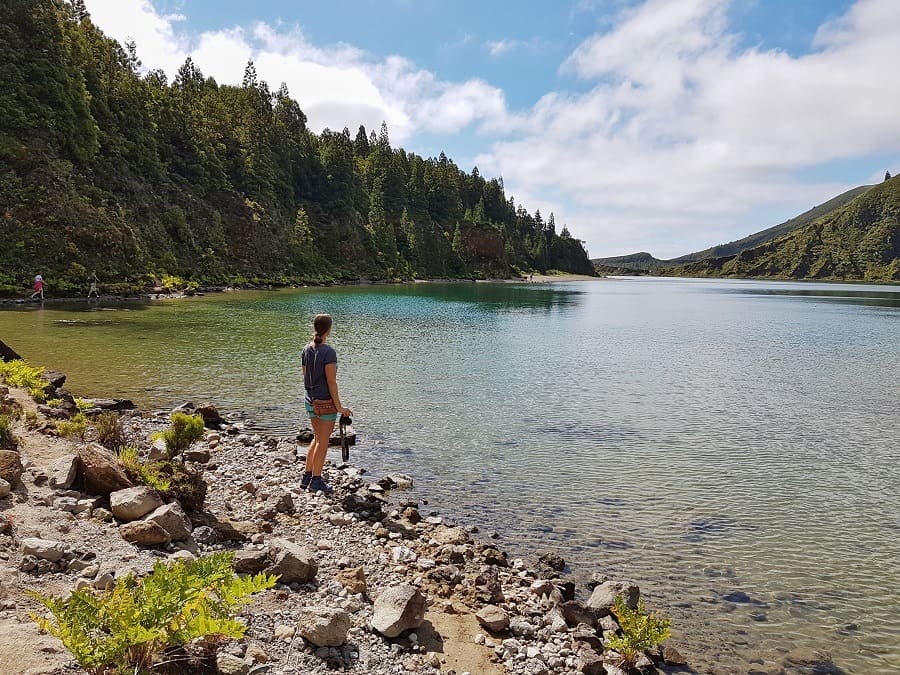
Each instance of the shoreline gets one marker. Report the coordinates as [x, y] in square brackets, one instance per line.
[542, 627]
[19, 301]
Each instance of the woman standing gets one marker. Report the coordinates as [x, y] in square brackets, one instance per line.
[322, 402]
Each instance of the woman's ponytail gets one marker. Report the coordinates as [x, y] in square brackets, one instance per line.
[321, 324]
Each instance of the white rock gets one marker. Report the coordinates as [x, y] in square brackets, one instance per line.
[63, 472]
[135, 502]
[44, 549]
[402, 554]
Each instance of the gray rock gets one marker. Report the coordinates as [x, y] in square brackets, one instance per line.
[293, 562]
[574, 612]
[324, 626]
[133, 503]
[397, 609]
[63, 472]
[250, 560]
[493, 618]
[229, 664]
[604, 596]
[521, 628]
[449, 535]
[5, 488]
[588, 660]
[198, 455]
[43, 549]
[205, 535]
[488, 587]
[173, 520]
[145, 533]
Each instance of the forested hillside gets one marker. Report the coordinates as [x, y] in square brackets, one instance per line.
[860, 240]
[134, 177]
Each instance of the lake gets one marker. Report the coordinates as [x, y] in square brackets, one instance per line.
[732, 446]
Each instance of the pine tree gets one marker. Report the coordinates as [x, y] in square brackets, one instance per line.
[361, 144]
[250, 78]
[887, 175]
[79, 10]
[133, 61]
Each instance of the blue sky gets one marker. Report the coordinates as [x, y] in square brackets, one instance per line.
[660, 125]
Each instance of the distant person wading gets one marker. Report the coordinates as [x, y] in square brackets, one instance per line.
[322, 402]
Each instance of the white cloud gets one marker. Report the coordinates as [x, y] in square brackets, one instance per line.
[500, 47]
[683, 134]
[338, 85]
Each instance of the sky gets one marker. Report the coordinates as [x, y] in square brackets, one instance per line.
[665, 126]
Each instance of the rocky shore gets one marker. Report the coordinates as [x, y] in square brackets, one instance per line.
[370, 581]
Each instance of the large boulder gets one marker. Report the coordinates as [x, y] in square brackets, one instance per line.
[397, 609]
[493, 618]
[324, 626]
[293, 562]
[144, 533]
[7, 353]
[63, 472]
[53, 378]
[172, 519]
[603, 598]
[101, 470]
[134, 502]
[10, 466]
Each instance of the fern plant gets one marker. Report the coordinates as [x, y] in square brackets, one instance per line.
[184, 430]
[19, 374]
[128, 628]
[640, 631]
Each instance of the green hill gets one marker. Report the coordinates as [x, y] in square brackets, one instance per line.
[758, 238]
[137, 178]
[645, 262]
[860, 240]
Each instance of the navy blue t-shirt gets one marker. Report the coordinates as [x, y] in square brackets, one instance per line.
[314, 359]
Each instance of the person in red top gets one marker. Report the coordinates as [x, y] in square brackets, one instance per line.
[38, 287]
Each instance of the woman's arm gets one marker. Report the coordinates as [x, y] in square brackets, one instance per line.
[331, 378]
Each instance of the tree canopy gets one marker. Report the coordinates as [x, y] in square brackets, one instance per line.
[107, 169]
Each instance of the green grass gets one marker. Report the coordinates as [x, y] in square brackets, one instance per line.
[19, 374]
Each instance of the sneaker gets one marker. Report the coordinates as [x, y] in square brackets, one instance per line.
[319, 485]
[304, 482]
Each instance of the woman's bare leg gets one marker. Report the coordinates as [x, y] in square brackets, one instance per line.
[322, 430]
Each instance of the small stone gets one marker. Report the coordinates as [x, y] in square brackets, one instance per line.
[397, 609]
[402, 554]
[133, 503]
[229, 664]
[250, 560]
[5, 488]
[257, 654]
[353, 579]
[324, 626]
[494, 618]
[63, 472]
[283, 632]
[173, 520]
[43, 549]
[145, 533]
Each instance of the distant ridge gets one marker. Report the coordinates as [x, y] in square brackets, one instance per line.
[859, 240]
[645, 262]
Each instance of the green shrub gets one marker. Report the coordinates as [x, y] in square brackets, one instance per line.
[128, 628]
[19, 374]
[640, 631]
[7, 438]
[146, 473]
[74, 427]
[185, 429]
[110, 434]
[83, 405]
[53, 402]
[31, 419]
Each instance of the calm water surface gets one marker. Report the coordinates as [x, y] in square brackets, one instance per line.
[731, 445]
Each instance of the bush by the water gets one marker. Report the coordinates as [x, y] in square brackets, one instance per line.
[146, 473]
[76, 427]
[19, 374]
[129, 628]
[184, 430]
[7, 438]
[108, 426]
[640, 631]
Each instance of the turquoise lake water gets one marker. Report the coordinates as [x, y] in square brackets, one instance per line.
[733, 446]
